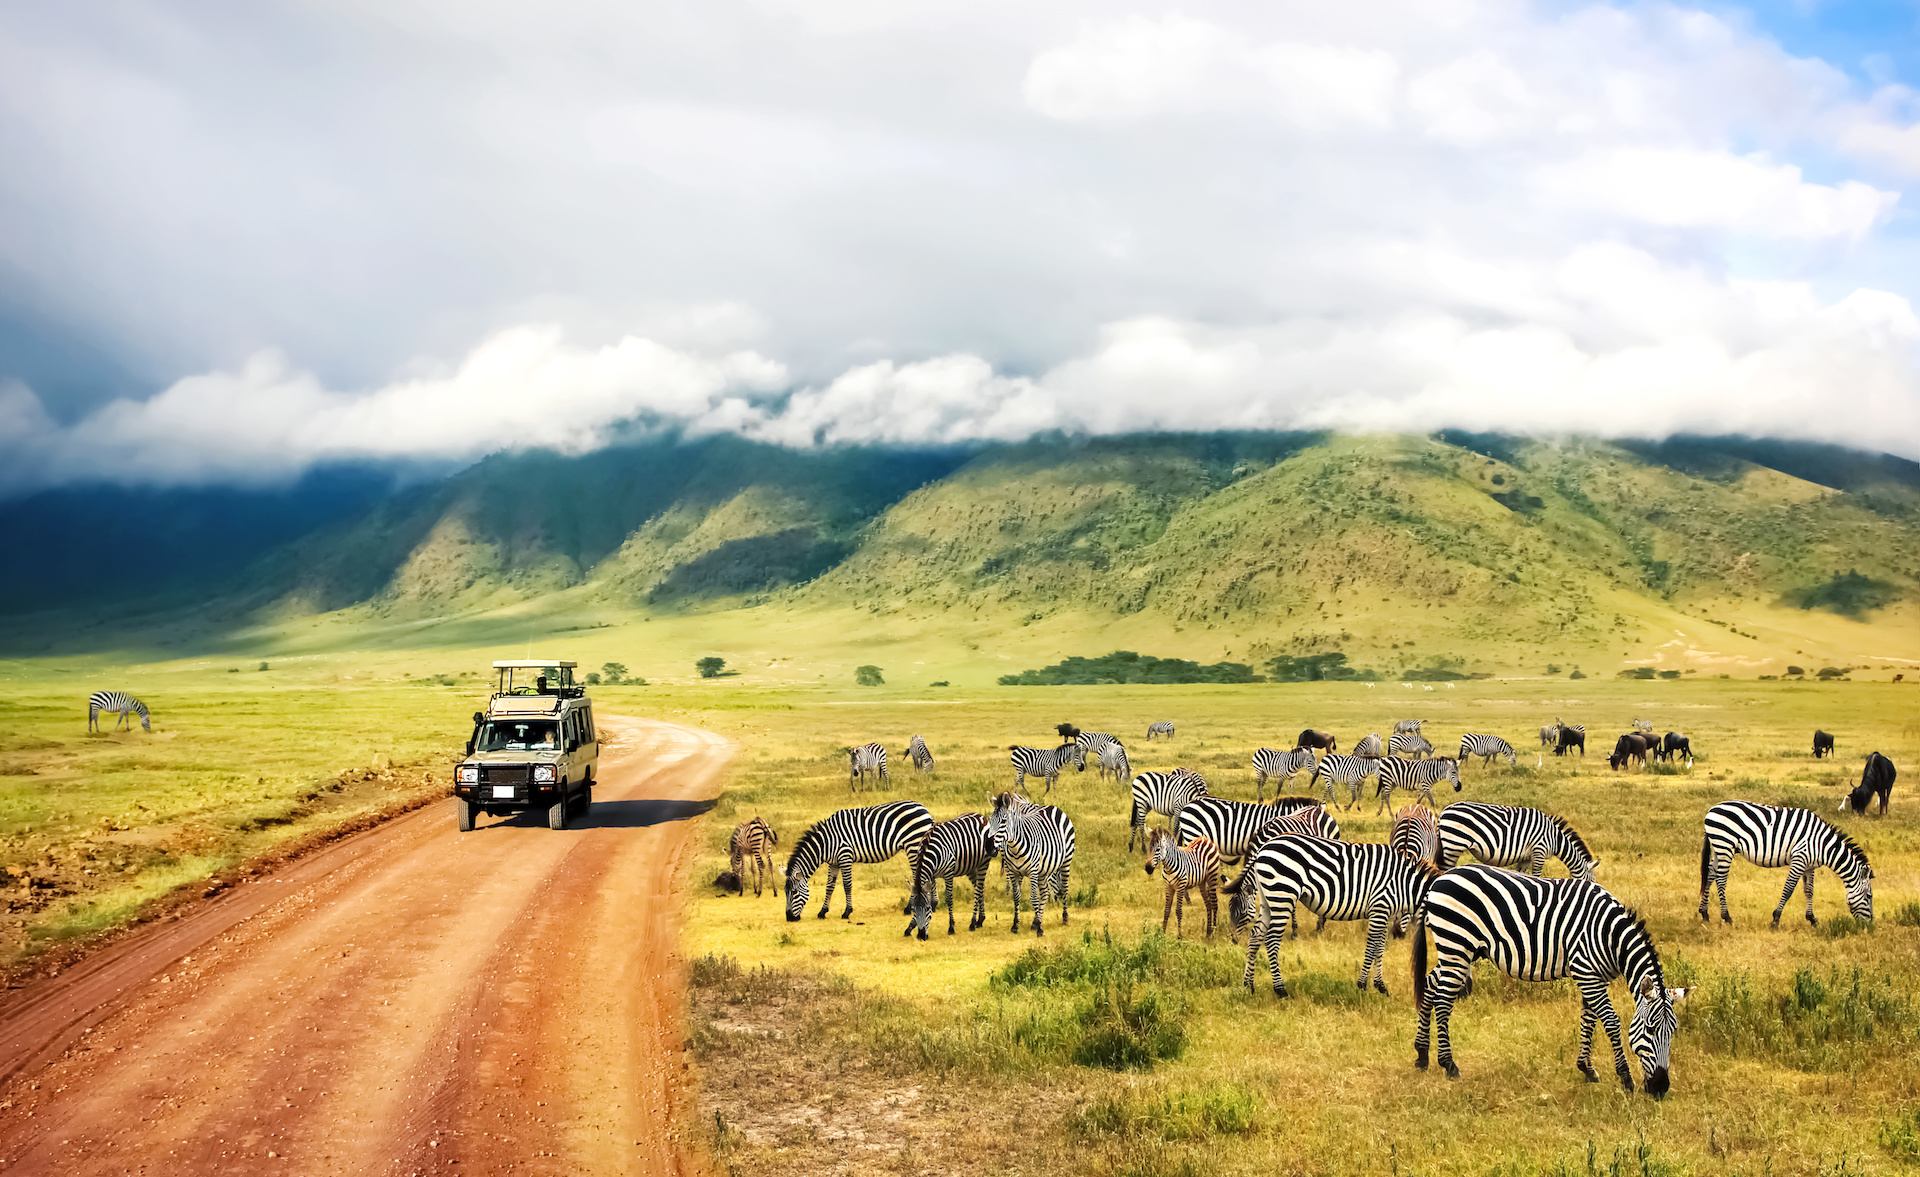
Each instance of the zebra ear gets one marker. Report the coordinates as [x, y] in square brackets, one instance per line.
[1676, 996]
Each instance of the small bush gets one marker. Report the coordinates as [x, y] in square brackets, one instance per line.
[1666, 768]
[1841, 926]
[1129, 1028]
[1669, 674]
[1816, 1024]
[1577, 673]
[1795, 670]
[942, 683]
[1829, 672]
[264, 666]
[613, 672]
[868, 676]
[710, 667]
[1637, 672]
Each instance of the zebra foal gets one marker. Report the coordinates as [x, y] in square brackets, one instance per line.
[1194, 866]
[1036, 844]
[871, 834]
[1279, 766]
[867, 758]
[1776, 836]
[1512, 836]
[957, 847]
[753, 840]
[1337, 881]
[117, 701]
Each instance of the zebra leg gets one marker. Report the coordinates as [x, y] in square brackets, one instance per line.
[1210, 895]
[979, 880]
[1603, 1007]
[1794, 871]
[1537, 862]
[1038, 909]
[1373, 964]
[846, 881]
[1060, 890]
[1013, 889]
[1260, 786]
[1442, 987]
[1385, 793]
[949, 905]
[1806, 880]
[1166, 913]
[1283, 918]
[1256, 935]
[1587, 1018]
[826, 893]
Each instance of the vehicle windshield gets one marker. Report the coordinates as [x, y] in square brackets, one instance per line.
[518, 735]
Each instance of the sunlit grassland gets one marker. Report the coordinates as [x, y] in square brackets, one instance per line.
[1798, 1052]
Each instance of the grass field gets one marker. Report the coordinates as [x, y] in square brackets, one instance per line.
[840, 1046]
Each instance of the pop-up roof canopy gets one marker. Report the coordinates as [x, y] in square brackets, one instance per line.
[531, 663]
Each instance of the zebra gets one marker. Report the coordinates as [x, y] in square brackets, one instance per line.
[1163, 728]
[1408, 725]
[871, 834]
[1486, 748]
[1161, 792]
[753, 840]
[917, 752]
[121, 702]
[1774, 836]
[1036, 843]
[1194, 866]
[1543, 930]
[1642, 725]
[1512, 836]
[1271, 762]
[1416, 831]
[863, 760]
[1549, 735]
[1395, 772]
[1114, 763]
[1409, 742]
[956, 847]
[1336, 880]
[1227, 823]
[1310, 819]
[1369, 745]
[1039, 762]
[1087, 744]
[1343, 769]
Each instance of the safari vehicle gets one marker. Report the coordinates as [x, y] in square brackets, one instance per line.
[534, 747]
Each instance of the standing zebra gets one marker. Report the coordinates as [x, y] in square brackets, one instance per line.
[1409, 744]
[918, 753]
[872, 834]
[1161, 792]
[1163, 728]
[1543, 930]
[1549, 735]
[753, 840]
[1486, 748]
[1036, 843]
[1227, 823]
[1280, 766]
[1370, 745]
[119, 701]
[1087, 744]
[1114, 763]
[1416, 832]
[1336, 880]
[1311, 820]
[1039, 762]
[1194, 866]
[1339, 768]
[867, 758]
[1408, 725]
[1414, 775]
[956, 847]
[1775, 836]
[1512, 836]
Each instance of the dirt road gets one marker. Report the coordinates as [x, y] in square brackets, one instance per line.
[411, 1000]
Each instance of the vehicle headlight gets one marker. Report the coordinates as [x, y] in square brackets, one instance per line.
[469, 774]
[543, 772]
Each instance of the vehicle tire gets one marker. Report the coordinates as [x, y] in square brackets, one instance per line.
[464, 810]
[583, 800]
[557, 814]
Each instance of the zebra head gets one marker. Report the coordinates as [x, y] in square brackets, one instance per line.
[1158, 841]
[1450, 770]
[1651, 1032]
[1860, 891]
[800, 866]
[1242, 898]
[796, 894]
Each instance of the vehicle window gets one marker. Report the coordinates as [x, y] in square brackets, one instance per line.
[586, 718]
[518, 735]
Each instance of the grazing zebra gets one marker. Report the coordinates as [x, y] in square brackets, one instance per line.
[867, 758]
[1774, 836]
[1114, 763]
[871, 834]
[1161, 792]
[1271, 762]
[1512, 836]
[126, 705]
[1549, 735]
[1543, 930]
[1419, 775]
[1336, 880]
[1346, 770]
[918, 753]
[1163, 728]
[1409, 743]
[1486, 748]
[1227, 823]
[1408, 725]
[1039, 762]
[753, 840]
[956, 847]
[1087, 744]
[1195, 865]
[1370, 745]
[1036, 844]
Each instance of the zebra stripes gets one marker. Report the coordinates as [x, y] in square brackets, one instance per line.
[1163, 728]
[1036, 844]
[753, 841]
[1310, 819]
[117, 701]
[1229, 824]
[1114, 763]
[956, 847]
[871, 834]
[1550, 735]
[1775, 836]
[1370, 745]
[917, 752]
[1512, 836]
[1416, 833]
[1338, 881]
[1409, 743]
[1161, 792]
[1419, 775]
[1195, 865]
[1039, 762]
[1340, 768]
[1542, 930]
[1486, 748]
[1272, 762]
[867, 758]
[1408, 725]
[1087, 744]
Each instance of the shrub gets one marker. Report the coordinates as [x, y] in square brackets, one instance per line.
[613, 672]
[1577, 673]
[1795, 670]
[1669, 674]
[943, 682]
[1552, 669]
[593, 678]
[868, 676]
[1640, 672]
[1816, 1024]
[1125, 666]
[1830, 672]
[710, 667]
[1129, 1028]
[264, 666]
[1907, 915]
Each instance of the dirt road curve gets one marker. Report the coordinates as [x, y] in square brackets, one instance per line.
[411, 1000]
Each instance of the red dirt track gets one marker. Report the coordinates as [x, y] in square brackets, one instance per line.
[408, 1000]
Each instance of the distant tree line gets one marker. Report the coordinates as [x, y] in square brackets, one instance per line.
[1125, 666]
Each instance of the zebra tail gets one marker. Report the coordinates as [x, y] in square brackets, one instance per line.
[1706, 862]
[1419, 933]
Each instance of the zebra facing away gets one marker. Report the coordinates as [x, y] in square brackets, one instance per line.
[1416, 832]
[1543, 930]
[1337, 881]
[1486, 748]
[1370, 745]
[1396, 772]
[1280, 766]
[867, 758]
[1163, 728]
[1512, 836]
[1409, 744]
[1549, 735]
[117, 701]
[1161, 792]
[954, 848]
[753, 841]
[1194, 866]
[1039, 762]
[1036, 844]
[1114, 763]
[871, 834]
[918, 753]
[1775, 836]
[1340, 768]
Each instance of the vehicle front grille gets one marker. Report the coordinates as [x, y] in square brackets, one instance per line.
[505, 774]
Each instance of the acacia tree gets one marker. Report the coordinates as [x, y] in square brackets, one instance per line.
[710, 666]
[868, 676]
[613, 672]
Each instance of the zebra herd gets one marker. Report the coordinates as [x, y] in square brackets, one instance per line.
[1291, 855]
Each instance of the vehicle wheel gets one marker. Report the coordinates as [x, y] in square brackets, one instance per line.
[584, 799]
[463, 809]
[557, 814]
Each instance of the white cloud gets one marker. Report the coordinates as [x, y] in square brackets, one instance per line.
[1679, 188]
[1474, 100]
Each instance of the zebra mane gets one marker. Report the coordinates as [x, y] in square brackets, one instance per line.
[803, 842]
[1573, 835]
[1846, 840]
[1635, 926]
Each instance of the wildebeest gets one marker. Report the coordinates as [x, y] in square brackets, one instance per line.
[1632, 746]
[1571, 737]
[1675, 742]
[1876, 779]
[1321, 740]
[1822, 744]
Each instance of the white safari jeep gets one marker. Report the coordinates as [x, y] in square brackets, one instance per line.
[534, 747]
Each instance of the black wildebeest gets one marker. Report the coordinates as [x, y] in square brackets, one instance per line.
[1632, 746]
[1313, 739]
[1675, 742]
[1571, 737]
[1822, 744]
[1876, 779]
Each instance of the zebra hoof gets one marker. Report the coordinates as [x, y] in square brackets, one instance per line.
[1726, 919]
[1420, 1059]
[1626, 1081]
[1280, 991]
[1587, 1070]
[1812, 923]
[923, 934]
[1452, 1071]
[821, 916]
[1381, 986]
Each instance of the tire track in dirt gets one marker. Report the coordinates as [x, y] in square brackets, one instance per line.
[409, 1000]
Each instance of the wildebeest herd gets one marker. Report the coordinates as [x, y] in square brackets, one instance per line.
[1290, 854]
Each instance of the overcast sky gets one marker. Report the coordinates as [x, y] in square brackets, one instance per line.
[240, 239]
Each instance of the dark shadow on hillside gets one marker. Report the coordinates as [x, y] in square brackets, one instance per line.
[748, 565]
